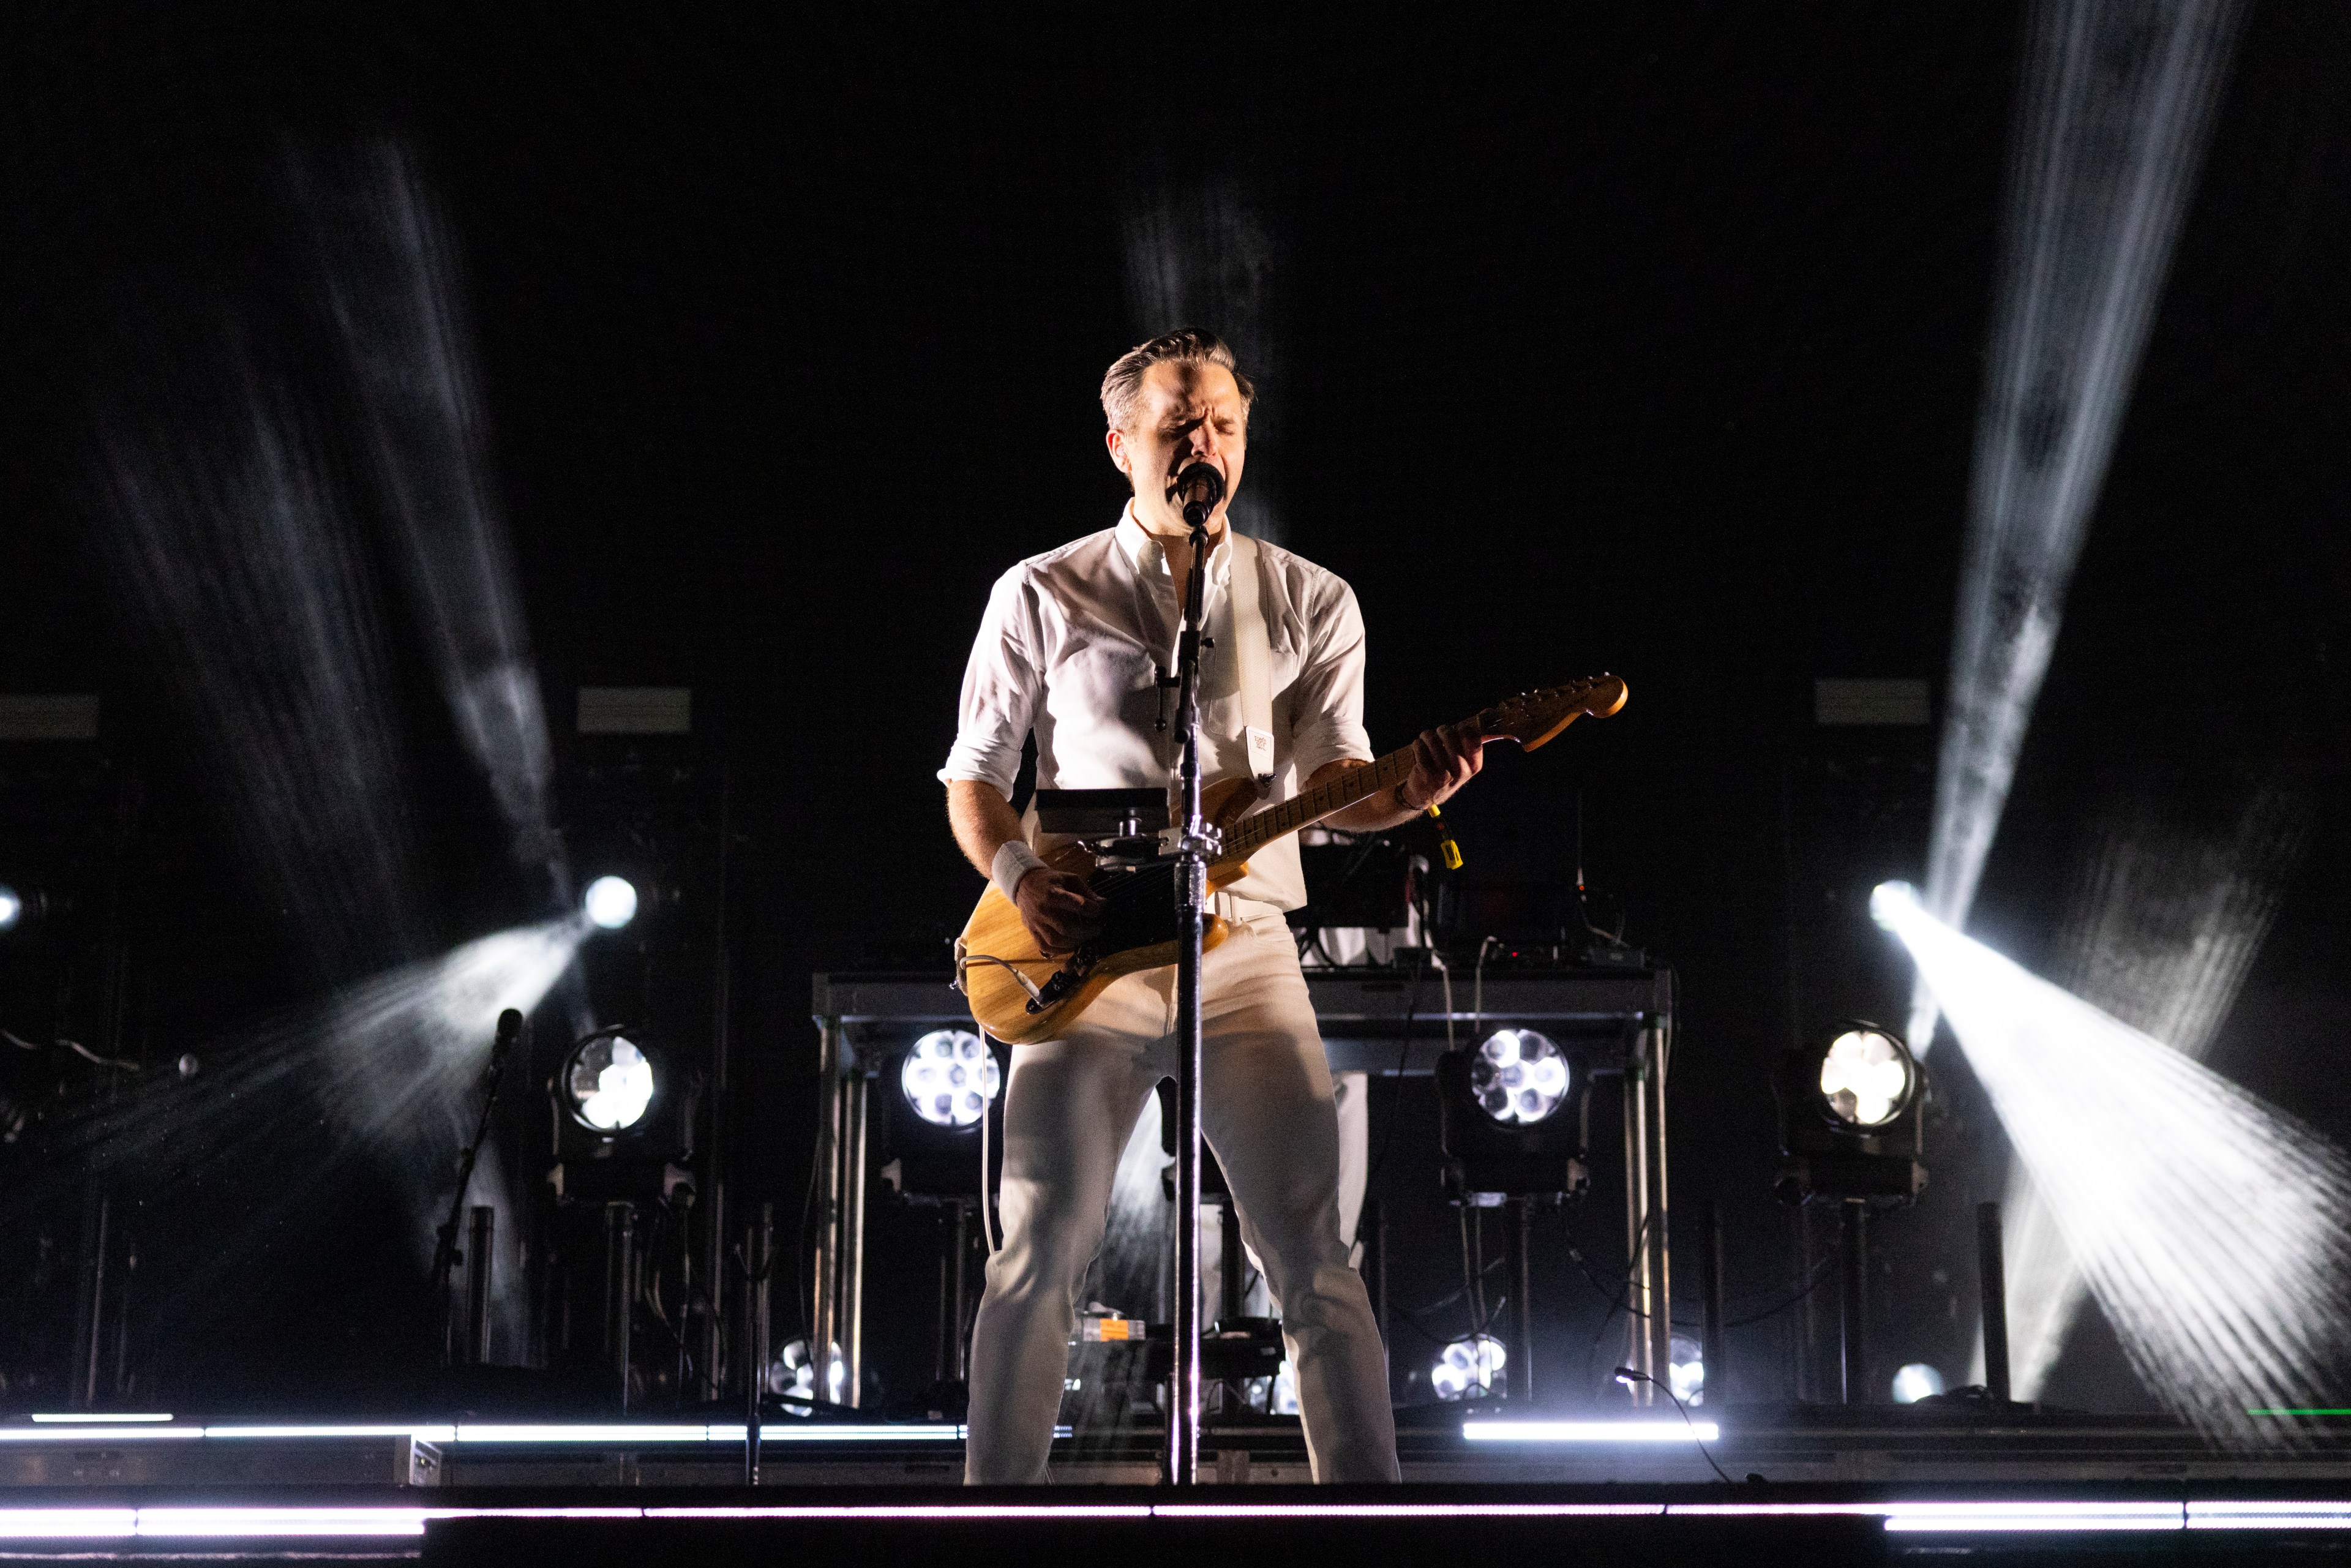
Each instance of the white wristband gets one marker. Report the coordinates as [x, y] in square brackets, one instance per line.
[1014, 859]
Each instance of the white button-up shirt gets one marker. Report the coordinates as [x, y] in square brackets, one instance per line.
[1073, 643]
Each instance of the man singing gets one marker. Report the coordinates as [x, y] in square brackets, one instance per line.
[1071, 650]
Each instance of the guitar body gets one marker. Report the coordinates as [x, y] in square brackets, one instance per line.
[1020, 994]
[1139, 934]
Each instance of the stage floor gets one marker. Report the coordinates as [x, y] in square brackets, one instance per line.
[1831, 1485]
[1133, 1526]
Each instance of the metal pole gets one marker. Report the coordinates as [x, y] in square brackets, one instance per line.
[1808, 1317]
[1193, 848]
[754, 1346]
[1637, 1229]
[1660, 1320]
[620, 1291]
[822, 1330]
[961, 1350]
[762, 1346]
[479, 1241]
[1855, 1262]
[853, 1256]
[712, 1205]
[1522, 1307]
[122, 1314]
[1714, 1352]
[97, 1208]
[1991, 1279]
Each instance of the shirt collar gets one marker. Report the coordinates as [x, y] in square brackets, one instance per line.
[1144, 553]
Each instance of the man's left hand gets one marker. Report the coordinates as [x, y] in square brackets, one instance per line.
[1443, 760]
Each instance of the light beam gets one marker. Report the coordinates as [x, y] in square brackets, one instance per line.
[1203, 255]
[387, 270]
[2163, 929]
[2114, 108]
[2210, 1226]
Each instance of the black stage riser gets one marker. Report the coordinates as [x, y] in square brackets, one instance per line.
[1149, 1542]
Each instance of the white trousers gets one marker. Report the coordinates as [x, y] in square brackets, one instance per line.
[1266, 1109]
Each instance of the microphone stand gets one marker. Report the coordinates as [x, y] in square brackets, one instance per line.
[1196, 844]
[446, 1256]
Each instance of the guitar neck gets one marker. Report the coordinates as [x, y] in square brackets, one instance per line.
[1252, 833]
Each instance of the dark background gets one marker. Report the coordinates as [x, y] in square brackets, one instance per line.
[1648, 340]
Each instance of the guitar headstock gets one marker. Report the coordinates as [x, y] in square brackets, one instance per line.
[1531, 718]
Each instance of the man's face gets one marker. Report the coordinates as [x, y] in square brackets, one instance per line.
[1186, 414]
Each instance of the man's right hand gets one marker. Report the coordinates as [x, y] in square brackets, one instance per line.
[1058, 909]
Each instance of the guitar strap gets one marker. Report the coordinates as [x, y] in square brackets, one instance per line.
[1252, 659]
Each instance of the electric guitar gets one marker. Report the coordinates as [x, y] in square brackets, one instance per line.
[1020, 994]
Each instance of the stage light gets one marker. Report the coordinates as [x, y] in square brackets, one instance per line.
[2214, 1232]
[610, 902]
[793, 1374]
[1916, 1382]
[1686, 1375]
[1841, 1105]
[948, 1077]
[1469, 1368]
[1501, 1121]
[610, 1082]
[1518, 1076]
[2112, 110]
[12, 907]
[1866, 1077]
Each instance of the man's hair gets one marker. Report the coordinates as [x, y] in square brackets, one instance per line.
[1183, 346]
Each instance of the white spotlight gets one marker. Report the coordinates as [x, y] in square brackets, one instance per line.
[794, 1373]
[611, 901]
[2214, 1230]
[1519, 1076]
[12, 907]
[1866, 1077]
[610, 1083]
[1687, 1371]
[1469, 1366]
[1916, 1382]
[949, 1077]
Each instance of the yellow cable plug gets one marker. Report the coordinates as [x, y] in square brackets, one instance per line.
[1447, 850]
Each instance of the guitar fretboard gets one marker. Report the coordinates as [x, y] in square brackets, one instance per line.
[1254, 832]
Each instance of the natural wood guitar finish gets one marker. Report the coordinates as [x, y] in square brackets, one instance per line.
[1021, 995]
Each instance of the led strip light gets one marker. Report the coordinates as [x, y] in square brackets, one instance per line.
[481, 1432]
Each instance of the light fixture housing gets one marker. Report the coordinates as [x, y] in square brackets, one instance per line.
[1519, 1077]
[1916, 1382]
[1866, 1077]
[1513, 1117]
[934, 1092]
[949, 1078]
[1851, 1119]
[609, 1082]
[624, 1118]
[1469, 1369]
[1686, 1371]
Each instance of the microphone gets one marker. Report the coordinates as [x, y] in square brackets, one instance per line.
[1200, 487]
[509, 1029]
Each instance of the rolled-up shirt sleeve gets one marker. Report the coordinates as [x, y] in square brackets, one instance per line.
[1001, 688]
[1327, 704]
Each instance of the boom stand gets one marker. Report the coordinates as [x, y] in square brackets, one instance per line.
[446, 1255]
[1195, 844]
